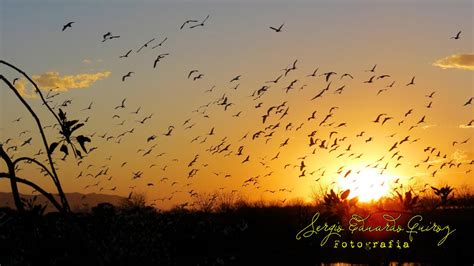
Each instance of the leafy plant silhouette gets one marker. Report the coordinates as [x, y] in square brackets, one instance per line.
[339, 204]
[67, 128]
[443, 193]
[407, 201]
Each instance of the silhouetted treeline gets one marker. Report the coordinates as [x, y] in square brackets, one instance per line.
[136, 234]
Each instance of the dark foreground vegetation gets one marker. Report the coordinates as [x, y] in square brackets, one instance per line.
[241, 234]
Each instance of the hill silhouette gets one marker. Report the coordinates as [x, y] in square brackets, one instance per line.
[78, 201]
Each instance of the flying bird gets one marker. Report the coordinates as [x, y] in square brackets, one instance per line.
[126, 54]
[372, 69]
[198, 76]
[236, 78]
[469, 102]
[158, 58]
[145, 45]
[328, 75]
[127, 75]
[378, 118]
[89, 107]
[160, 44]
[200, 24]
[68, 25]
[347, 75]
[412, 82]
[457, 36]
[186, 22]
[275, 81]
[277, 29]
[192, 72]
[122, 105]
[314, 73]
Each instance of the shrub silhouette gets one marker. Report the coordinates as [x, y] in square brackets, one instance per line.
[443, 193]
[339, 205]
[408, 201]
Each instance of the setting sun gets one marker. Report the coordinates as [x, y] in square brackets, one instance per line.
[366, 184]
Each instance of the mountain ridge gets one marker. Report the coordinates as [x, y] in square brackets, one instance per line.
[77, 201]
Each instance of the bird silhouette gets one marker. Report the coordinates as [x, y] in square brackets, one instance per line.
[129, 74]
[347, 75]
[158, 58]
[328, 75]
[457, 36]
[122, 105]
[276, 80]
[186, 22]
[372, 69]
[422, 120]
[160, 44]
[412, 82]
[136, 112]
[277, 29]
[370, 80]
[68, 25]
[198, 77]
[469, 102]
[314, 73]
[89, 107]
[235, 78]
[145, 45]
[126, 54]
[211, 132]
[288, 69]
[200, 24]
[431, 94]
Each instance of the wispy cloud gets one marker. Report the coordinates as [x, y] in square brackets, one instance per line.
[461, 156]
[429, 126]
[90, 61]
[457, 61]
[53, 81]
[24, 90]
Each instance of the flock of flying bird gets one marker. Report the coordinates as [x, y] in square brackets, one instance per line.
[323, 132]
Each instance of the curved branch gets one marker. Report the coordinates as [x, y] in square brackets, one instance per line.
[37, 188]
[34, 161]
[34, 84]
[11, 176]
[43, 136]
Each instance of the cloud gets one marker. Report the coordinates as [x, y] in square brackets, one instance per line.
[459, 61]
[52, 80]
[461, 156]
[428, 126]
[24, 89]
[90, 61]
[466, 126]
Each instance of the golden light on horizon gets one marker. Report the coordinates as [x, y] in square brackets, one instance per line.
[367, 184]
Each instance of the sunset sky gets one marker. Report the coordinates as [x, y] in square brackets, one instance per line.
[402, 38]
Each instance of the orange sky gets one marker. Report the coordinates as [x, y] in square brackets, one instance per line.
[230, 45]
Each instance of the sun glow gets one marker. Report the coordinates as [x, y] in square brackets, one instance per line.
[366, 184]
